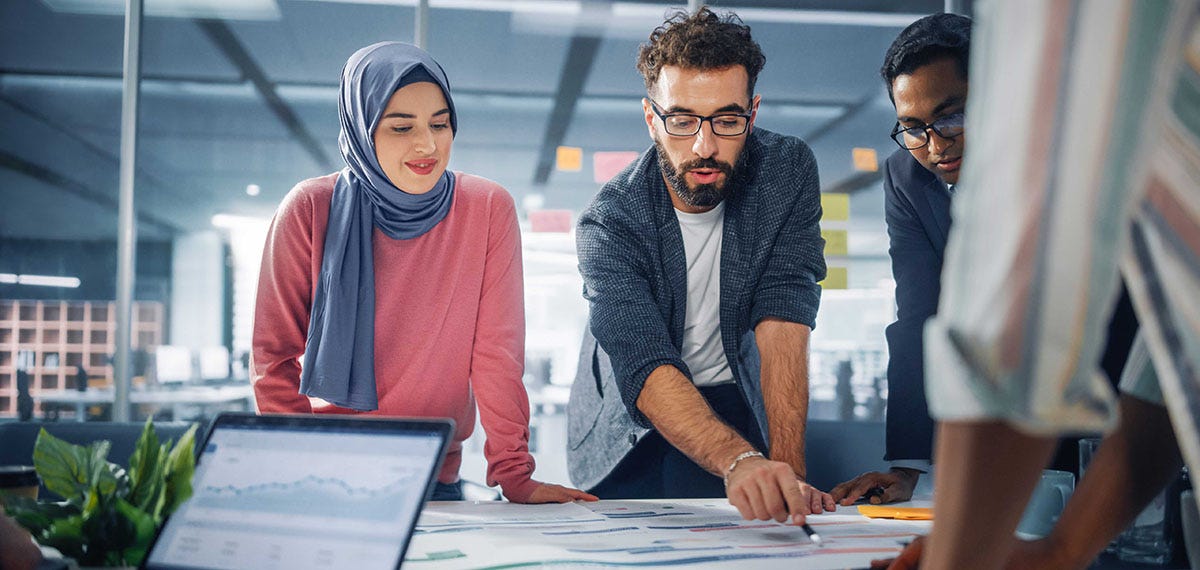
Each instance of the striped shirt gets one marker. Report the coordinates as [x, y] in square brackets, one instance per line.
[1085, 162]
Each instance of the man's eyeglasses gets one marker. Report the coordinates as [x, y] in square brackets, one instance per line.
[688, 124]
[913, 138]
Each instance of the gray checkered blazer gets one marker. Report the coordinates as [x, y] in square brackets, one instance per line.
[635, 280]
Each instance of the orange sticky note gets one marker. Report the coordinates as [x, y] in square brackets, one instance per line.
[899, 513]
[570, 158]
[865, 159]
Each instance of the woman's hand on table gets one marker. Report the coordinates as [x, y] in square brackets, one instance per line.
[551, 493]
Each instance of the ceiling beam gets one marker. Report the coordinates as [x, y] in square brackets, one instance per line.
[333, 85]
[38, 172]
[227, 42]
[581, 54]
[847, 114]
[179, 190]
[854, 182]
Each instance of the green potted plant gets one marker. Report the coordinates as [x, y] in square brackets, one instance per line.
[110, 514]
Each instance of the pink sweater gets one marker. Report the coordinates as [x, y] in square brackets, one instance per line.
[449, 324]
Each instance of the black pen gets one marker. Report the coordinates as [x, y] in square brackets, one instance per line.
[812, 534]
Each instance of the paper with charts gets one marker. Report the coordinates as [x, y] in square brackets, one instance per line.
[692, 533]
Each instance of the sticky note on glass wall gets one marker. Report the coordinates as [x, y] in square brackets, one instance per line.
[606, 165]
[835, 278]
[835, 207]
[550, 221]
[836, 242]
[865, 159]
[570, 158]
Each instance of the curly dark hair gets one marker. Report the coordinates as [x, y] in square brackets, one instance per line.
[927, 40]
[703, 40]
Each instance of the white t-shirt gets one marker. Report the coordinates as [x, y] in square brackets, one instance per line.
[702, 348]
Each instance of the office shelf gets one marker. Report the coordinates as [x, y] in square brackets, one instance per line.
[50, 338]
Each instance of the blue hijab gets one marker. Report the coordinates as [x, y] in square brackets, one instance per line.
[339, 357]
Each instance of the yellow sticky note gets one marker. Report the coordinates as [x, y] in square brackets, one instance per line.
[900, 513]
[835, 278]
[865, 159]
[835, 206]
[836, 242]
[570, 158]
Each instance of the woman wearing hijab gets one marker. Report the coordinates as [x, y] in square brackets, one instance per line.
[400, 281]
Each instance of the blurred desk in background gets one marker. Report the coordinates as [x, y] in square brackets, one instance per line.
[207, 399]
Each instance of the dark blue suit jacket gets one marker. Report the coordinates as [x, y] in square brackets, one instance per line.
[917, 210]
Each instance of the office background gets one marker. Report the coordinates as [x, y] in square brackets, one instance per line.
[238, 103]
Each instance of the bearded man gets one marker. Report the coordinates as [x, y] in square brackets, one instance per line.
[700, 264]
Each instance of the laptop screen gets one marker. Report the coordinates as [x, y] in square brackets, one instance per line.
[303, 492]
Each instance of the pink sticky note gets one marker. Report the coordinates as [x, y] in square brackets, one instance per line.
[550, 221]
[605, 165]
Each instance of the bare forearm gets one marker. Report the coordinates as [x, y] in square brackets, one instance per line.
[685, 420]
[1132, 465]
[983, 467]
[783, 349]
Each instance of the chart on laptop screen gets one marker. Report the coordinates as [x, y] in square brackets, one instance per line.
[284, 499]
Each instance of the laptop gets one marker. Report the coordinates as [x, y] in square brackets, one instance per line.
[303, 491]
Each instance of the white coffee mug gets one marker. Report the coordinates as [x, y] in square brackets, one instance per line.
[1047, 503]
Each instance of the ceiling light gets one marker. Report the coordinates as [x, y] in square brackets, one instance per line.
[40, 280]
[252, 189]
[515, 6]
[219, 9]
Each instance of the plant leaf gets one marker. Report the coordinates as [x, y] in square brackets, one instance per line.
[106, 476]
[143, 530]
[66, 469]
[104, 528]
[67, 536]
[144, 459]
[146, 472]
[181, 463]
[110, 514]
[37, 517]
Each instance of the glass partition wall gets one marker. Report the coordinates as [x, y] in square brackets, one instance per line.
[238, 103]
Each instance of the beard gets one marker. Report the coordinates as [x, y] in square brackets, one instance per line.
[700, 195]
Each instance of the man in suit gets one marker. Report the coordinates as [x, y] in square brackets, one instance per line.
[700, 264]
[925, 71]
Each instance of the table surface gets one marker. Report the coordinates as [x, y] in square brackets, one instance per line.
[696, 533]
